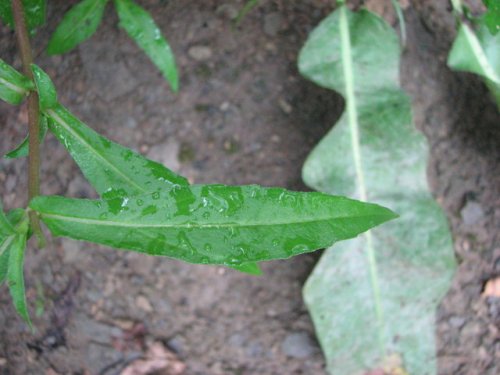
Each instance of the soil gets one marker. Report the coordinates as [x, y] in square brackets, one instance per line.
[243, 115]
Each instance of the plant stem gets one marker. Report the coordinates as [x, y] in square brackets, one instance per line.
[23, 42]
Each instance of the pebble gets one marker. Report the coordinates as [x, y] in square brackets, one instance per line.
[200, 53]
[472, 213]
[273, 23]
[298, 345]
[143, 303]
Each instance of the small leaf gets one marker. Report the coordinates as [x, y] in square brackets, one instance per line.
[5, 243]
[111, 168]
[23, 149]
[77, 25]
[15, 274]
[249, 5]
[213, 224]
[14, 87]
[34, 13]
[141, 27]
[46, 89]
[250, 268]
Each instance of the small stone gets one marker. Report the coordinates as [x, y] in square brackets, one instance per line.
[285, 106]
[143, 303]
[273, 23]
[224, 106]
[176, 344]
[167, 154]
[472, 213]
[298, 345]
[3, 361]
[200, 53]
[457, 321]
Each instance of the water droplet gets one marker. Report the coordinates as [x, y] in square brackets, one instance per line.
[140, 202]
[156, 195]
[206, 215]
[275, 242]
[103, 216]
[208, 247]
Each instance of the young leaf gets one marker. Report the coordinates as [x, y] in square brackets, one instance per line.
[46, 89]
[111, 168]
[249, 5]
[23, 149]
[15, 277]
[213, 224]
[34, 13]
[140, 26]
[77, 25]
[478, 53]
[251, 268]
[14, 217]
[363, 293]
[14, 87]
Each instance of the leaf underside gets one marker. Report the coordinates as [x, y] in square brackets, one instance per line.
[414, 254]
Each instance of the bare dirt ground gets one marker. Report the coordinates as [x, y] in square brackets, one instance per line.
[243, 115]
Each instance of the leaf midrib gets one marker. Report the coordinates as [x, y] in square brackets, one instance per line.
[98, 222]
[13, 87]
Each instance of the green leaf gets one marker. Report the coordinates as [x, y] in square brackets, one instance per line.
[14, 87]
[492, 16]
[111, 168]
[46, 89]
[77, 25]
[14, 217]
[34, 13]
[247, 8]
[6, 227]
[23, 149]
[15, 274]
[378, 293]
[250, 268]
[213, 224]
[141, 27]
[478, 53]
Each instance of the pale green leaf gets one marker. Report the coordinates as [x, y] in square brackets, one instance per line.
[478, 53]
[34, 13]
[213, 224]
[251, 268]
[141, 27]
[111, 168]
[377, 294]
[23, 149]
[14, 87]
[77, 25]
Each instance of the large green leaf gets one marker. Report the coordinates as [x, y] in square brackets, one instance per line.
[34, 13]
[141, 27]
[111, 168]
[377, 294]
[478, 53]
[213, 224]
[78, 25]
[14, 87]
